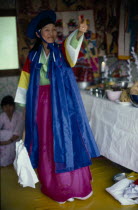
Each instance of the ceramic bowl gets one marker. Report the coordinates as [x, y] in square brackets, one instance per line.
[113, 95]
[134, 100]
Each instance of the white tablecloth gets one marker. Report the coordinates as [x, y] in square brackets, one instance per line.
[115, 128]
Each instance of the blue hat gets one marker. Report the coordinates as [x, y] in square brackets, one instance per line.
[42, 19]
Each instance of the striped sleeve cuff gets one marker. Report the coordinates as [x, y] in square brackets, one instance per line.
[20, 96]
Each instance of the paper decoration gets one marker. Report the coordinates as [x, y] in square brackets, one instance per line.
[129, 70]
[135, 57]
[124, 36]
[111, 27]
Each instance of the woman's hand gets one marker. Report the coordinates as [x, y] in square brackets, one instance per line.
[82, 28]
[2, 143]
[12, 139]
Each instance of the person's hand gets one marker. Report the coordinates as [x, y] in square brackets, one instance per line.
[23, 136]
[12, 139]
[2, 143]
[82, 27]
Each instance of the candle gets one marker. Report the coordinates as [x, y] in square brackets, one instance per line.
[103, 67]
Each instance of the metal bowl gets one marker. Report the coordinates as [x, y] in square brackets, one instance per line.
[98, 92]
[119, 177]
[123, 84]
[134, 100]
[83, 85]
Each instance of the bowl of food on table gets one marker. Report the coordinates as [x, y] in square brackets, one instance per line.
[113, 94]
[125, 97]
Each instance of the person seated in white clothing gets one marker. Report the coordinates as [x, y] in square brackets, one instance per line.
[11, 128]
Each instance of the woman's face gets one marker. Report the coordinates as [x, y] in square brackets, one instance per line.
[49, 33]
[8, 109]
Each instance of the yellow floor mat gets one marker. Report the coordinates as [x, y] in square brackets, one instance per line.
[15, 197]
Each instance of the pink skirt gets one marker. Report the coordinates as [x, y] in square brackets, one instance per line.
[58, 186]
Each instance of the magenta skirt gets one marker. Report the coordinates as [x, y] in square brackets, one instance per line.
[62, 186]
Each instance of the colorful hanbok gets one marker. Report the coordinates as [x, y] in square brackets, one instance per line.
[58, 138]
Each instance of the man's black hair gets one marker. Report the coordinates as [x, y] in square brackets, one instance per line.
[7, 100]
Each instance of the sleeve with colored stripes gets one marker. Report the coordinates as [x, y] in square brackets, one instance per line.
[20, 96]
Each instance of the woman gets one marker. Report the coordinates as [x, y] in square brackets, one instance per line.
[11, 127]
[58, 137]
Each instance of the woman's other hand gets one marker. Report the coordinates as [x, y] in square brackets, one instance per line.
[23, 136]
[82, 27]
